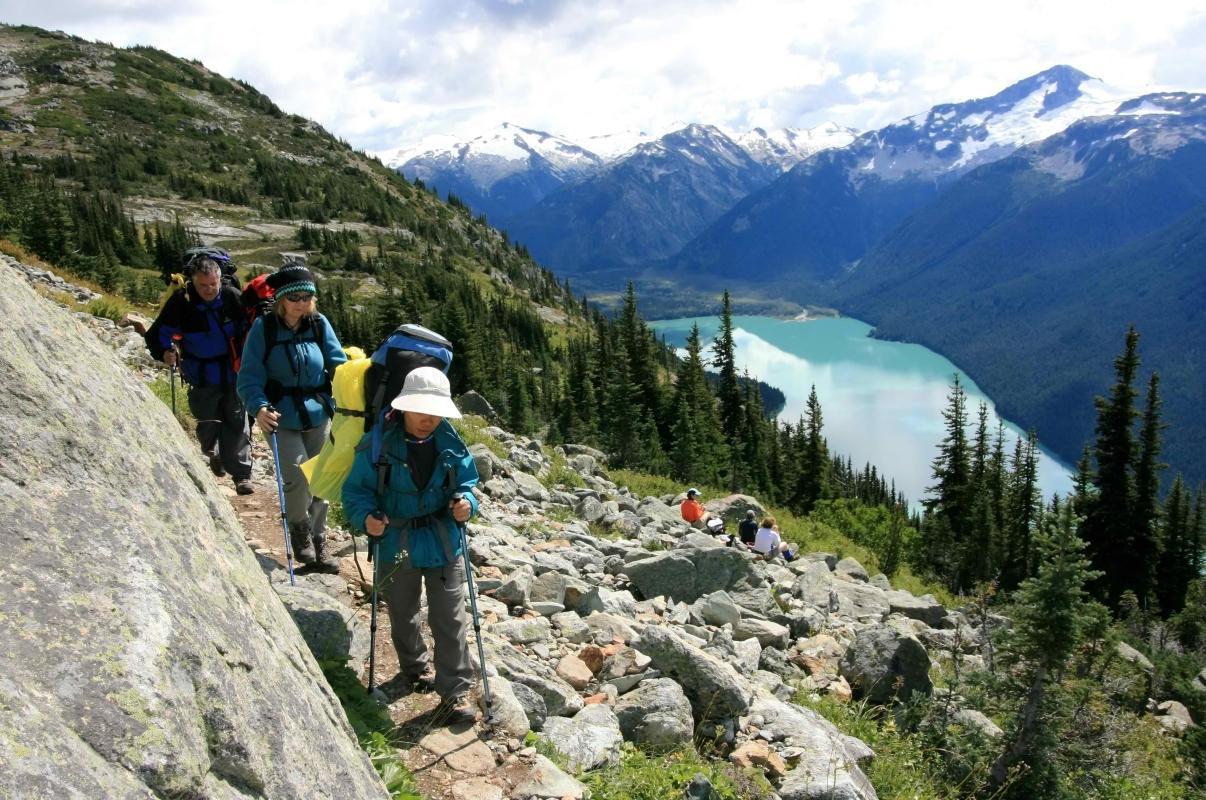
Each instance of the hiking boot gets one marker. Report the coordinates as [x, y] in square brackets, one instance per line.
[215, 465]
[324, 559]
[299, 537]
[456, 710]
[423, 682]
[244, 486]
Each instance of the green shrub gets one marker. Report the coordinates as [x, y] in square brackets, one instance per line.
[161, 387]
[108, 307]
[472, 430]
[561, 474]
[640, 776]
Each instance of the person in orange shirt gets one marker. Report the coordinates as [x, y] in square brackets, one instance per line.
[692, 510]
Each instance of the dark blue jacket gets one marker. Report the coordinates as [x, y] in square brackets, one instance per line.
[212, 334]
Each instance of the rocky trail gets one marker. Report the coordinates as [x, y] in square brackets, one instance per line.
[606, 620]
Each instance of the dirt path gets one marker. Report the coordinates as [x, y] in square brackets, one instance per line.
[464, 762]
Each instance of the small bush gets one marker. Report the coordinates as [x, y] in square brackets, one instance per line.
[161, 387]
[640, 776]
[472, 430]
[108, 307]
[561, 474]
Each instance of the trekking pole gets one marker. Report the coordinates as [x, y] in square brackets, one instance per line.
[372, 546]
[176, 339]
[477, 623]
[280, 493]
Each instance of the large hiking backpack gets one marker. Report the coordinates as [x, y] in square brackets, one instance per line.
[222, 257]
[363, 388]
[408, 347]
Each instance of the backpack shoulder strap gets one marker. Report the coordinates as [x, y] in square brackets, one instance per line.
[270, 334]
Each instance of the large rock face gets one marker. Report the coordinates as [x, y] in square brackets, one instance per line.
[145, 654]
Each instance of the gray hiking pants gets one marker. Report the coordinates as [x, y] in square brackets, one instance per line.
[222, 427]
[445, 615]
[297, 447]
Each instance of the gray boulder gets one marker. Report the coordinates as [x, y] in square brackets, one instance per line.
[714, 688]
[690, 573]
[828, 768]
[331, 629]
[473, 403]
[531, 703]
[591, 739]
[560, 699]
[852, 570]
[171, 668]
[882, 665]
[924, 608]
[656, 714]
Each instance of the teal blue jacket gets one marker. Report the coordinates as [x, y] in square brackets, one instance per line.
[297, 359]
[403, 501]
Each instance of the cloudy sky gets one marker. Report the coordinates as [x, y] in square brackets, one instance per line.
[384, 74]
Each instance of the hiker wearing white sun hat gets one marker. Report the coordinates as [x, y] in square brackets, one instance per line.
[415, 507]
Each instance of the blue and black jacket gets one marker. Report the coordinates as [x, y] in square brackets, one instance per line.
[293, 372]
[421, 528]
[212, 335]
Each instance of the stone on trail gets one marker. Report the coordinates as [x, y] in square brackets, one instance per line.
[145, 652]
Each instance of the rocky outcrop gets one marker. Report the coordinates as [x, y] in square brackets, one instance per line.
[145, 652]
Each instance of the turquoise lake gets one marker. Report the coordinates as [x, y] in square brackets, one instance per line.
[881, 401]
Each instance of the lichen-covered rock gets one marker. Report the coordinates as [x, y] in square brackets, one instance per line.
[714, 688]
[656, 714]
[332, 631]
[145, 652]
[591, 739]
[882, 665]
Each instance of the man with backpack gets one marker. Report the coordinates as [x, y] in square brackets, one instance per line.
[201, 329]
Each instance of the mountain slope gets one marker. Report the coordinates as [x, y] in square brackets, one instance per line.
[644, 206]
[1068, 241]
[827, 212]
[502, 172]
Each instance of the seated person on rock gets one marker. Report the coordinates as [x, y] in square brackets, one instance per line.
[692, 510]
[768, 542]
[748, 529]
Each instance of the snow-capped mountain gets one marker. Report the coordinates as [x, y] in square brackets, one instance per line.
[824, 214]
[501, 172]
[957, 137]
[642, 206]
[786, 147]
[611, 146]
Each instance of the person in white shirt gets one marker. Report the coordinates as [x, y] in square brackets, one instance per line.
[768, 542]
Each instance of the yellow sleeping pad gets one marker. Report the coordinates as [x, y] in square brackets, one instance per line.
[327, 471]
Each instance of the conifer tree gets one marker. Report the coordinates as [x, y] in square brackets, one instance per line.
[944, 529]
[1052, 612]
[698, 451]
[1175, 568]
[1146, 548]
[724, 359]
[812, 480]
[1106, 529]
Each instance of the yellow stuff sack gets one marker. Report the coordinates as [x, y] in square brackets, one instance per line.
[327, 471]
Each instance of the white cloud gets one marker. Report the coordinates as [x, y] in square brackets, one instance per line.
[381, 73]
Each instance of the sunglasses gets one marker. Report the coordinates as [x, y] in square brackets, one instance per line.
[300, 297]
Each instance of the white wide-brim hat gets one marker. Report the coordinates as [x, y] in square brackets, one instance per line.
[426, 391]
